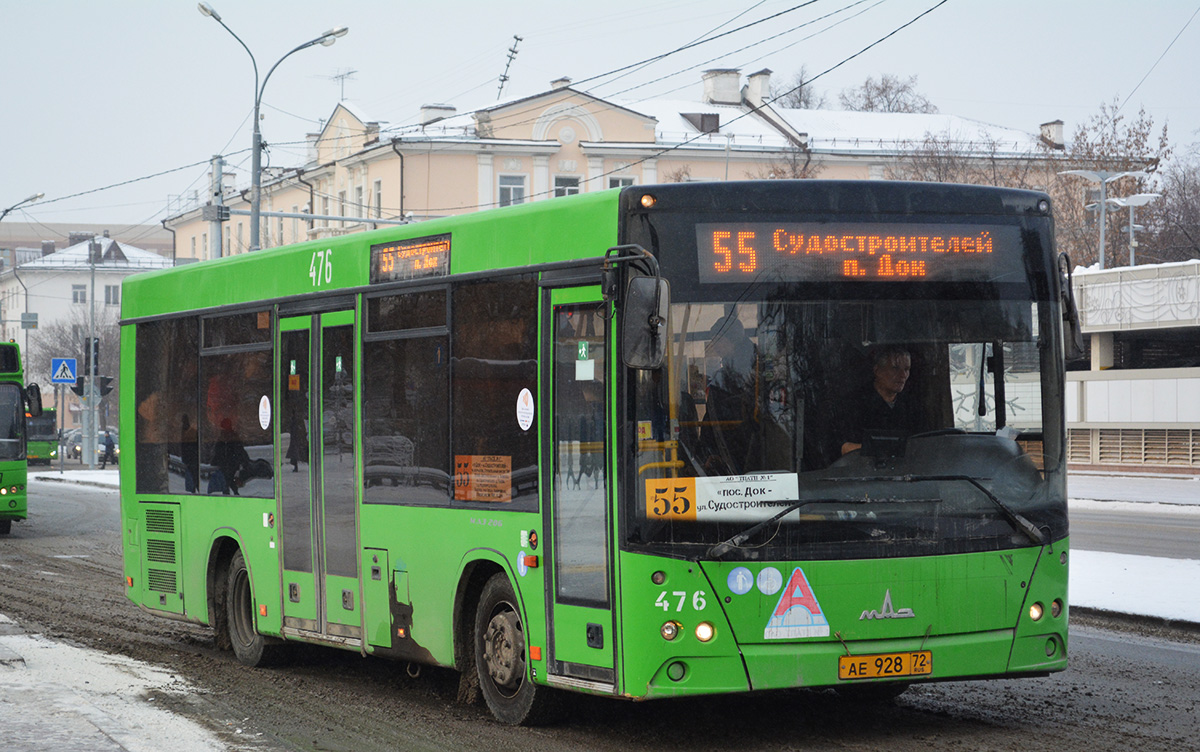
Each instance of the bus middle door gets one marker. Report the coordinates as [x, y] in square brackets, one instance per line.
[582, 634]
[318, 520]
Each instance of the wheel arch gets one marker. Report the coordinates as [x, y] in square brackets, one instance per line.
[478, 566]
[225, 543]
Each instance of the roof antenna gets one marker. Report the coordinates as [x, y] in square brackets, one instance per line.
[341, 77]
[512, 53]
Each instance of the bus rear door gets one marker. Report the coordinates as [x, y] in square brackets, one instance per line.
[582, 634]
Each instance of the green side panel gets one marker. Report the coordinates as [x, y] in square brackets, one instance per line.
[161, 577]
[305, 586]
[433, 551]
[376, 598]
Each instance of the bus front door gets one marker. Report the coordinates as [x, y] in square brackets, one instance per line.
[317, 509]
[582, 633]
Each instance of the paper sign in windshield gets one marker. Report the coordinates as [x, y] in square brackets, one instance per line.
[726, 497]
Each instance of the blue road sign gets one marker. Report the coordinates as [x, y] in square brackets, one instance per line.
[62, 371]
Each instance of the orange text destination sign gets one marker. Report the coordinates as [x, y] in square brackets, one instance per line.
[410, 259]
[867, 252]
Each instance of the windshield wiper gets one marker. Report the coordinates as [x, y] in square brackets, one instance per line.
[1014, 518]
[725, 546]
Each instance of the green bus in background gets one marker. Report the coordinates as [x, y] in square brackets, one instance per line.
[41, 437]
[16, 402]
[623, 443]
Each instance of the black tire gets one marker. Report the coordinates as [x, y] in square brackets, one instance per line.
[249, 646]
[5, 527]
[500, 651]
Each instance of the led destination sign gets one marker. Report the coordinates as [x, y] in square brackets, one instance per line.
[737, 252]
[410, 259]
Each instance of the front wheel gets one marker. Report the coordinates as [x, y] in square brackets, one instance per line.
[249, 646]
[5, 527]
[500, 650]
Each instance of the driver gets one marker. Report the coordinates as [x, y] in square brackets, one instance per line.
[883, 406]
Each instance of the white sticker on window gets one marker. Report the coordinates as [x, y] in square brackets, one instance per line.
[264, 412]
[525, 409]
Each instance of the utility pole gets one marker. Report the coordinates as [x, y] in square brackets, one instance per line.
[89, 384]
[217, 194]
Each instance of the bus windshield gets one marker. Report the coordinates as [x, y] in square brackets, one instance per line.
[44, 427]
[12, 422]
[883, 427]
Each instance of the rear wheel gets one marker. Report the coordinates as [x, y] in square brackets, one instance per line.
[249, 646]
[5, 527]
[500, 651]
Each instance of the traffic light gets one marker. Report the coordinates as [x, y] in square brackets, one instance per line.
[91, 356]
[77, 387]
[106, 385]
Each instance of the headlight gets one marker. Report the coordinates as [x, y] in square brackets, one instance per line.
[704, 631]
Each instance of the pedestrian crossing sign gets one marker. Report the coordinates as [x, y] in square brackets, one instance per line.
[62, 371]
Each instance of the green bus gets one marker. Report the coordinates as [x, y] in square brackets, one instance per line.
[16, 401]
[41, 437]
[622, 443]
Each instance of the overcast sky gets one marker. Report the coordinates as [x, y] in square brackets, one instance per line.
[99, 93]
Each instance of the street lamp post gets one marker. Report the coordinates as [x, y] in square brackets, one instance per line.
[326, 39]
[1103, 177]
[1137, 199]
[20, 203]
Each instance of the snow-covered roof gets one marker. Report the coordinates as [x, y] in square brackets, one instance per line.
[866, 132]
[113, 256]
[674, 128]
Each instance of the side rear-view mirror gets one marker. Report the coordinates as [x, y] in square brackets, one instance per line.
[33, 400]
[644, 322]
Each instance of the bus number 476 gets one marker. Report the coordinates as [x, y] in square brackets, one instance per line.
[320, 268]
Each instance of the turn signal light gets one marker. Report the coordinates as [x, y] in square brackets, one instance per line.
[531, 561]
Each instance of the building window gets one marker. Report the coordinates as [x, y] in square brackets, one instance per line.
[566, 185]
[112, 295]
[325, 210]
[295, 224]
[193, 246]
[341, 207]
[512, 190]
[358, 202]
[78, 293]
[378, 199]
[620, 181]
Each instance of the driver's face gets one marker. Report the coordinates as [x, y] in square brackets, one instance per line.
[892, 374]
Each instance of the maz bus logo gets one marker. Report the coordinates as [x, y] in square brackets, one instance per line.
[888, 611]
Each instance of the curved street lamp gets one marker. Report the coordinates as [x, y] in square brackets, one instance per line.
[21, 203]
[1103, 177]
[326, 39]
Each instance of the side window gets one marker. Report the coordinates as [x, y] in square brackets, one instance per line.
[236, 453]
[493, 370]
[165, 383]
[406, 436]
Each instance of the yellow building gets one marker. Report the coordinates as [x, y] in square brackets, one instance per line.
[565, 141]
